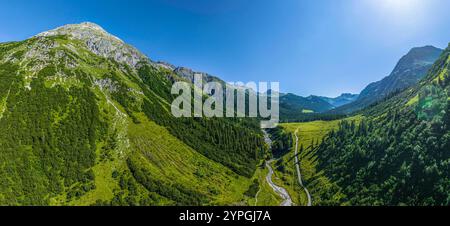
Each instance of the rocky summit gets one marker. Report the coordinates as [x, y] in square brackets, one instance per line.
[99, 42]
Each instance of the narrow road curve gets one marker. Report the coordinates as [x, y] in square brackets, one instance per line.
[297, 165]
[279, 190]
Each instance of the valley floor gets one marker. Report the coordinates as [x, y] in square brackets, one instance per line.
[307, 189]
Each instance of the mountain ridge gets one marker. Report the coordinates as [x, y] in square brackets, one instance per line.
[409, 70]
[341, 100]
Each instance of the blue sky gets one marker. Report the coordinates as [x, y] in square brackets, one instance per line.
[322, 47]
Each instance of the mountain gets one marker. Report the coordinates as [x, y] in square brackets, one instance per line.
[343, 99]
[189, 74]
[296, 108]
[409, 71]
[399, 153]
[304, 104]
[85, 120]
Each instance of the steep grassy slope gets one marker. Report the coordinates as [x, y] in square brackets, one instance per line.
[164, 159]
[183, 165]
[85, 119]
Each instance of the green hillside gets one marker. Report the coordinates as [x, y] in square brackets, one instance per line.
[399, 154]
[85, 119]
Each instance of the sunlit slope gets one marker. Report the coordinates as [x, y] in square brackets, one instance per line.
[85, 119]
[399, 154]
[310, 135]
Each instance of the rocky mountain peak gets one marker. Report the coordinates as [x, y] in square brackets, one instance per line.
[82, 31]
[100, 42]
[418, 57]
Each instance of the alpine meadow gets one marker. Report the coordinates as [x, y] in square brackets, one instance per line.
[358, 116]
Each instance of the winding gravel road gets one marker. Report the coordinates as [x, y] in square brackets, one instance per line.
[297, 165]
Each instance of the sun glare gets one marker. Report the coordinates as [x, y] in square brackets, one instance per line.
[400, 7]
[406, 14]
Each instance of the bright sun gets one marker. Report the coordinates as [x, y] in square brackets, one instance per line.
[400, 7]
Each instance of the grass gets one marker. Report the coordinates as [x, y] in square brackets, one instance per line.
[170, 159]
[167, 158]
[2, 106]
[287, 179]
[413, 101]
[444, 72]
[315, 181]
[3, 103]
[305, 111]
[266, 196]
[104, 183]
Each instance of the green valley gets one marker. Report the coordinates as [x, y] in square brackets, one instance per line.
[395, 152]
[311, 135]
[85, 120]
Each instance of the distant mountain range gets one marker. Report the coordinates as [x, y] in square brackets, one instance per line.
[291, 105]
[298, 108]
[341, 100]
[315, 104]
[409, 71]
[312, 104]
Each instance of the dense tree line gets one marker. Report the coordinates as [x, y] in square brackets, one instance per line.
[282, 141]
[47, 140]
[297, 116]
